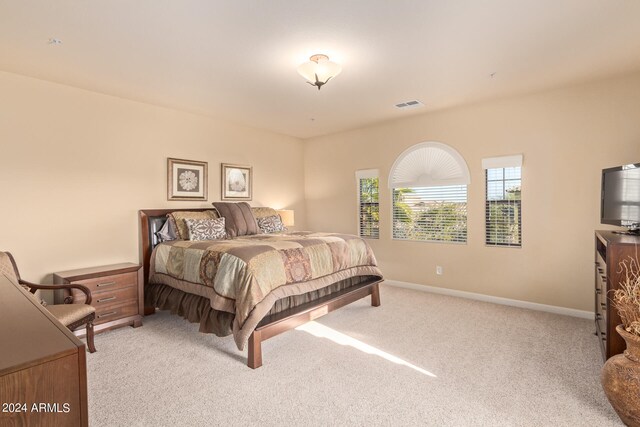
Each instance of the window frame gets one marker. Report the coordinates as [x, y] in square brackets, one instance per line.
[430, 165]
[504, 201]
[360, 175]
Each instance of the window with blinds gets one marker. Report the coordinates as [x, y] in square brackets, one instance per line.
[368, 204]
[503, 206]
[434, 214]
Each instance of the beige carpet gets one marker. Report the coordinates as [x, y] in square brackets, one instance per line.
[419, 359]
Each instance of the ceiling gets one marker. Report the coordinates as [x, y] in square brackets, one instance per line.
[237, 60]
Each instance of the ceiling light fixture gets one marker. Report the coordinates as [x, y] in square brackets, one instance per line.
[319, 70]
[55, 42]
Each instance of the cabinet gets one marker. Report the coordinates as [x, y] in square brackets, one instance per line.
[116, 293]
[43, 374]
[610, 250]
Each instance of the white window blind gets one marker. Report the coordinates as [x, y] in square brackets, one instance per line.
[429, 187]
[435, 214]
[429, 164]
[368, 203]
[503, 206]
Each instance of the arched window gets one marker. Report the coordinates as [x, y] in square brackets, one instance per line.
[429, 184]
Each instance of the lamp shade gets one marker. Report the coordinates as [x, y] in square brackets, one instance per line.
[318, 70]
[286, 215]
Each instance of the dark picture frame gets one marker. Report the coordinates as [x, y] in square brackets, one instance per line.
[237, 182]
[186, 179]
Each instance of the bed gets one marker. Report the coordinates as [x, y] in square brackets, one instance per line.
[257, 286]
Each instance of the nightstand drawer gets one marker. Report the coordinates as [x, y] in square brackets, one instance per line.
[108, 283]
[108, 297]
[107, 314]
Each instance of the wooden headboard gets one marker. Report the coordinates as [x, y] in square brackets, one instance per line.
[151, 221]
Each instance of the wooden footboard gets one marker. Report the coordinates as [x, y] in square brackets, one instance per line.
[278, 323]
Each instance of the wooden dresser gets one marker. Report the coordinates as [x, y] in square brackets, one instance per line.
[116, 293]
[610, 250]
[43, 374]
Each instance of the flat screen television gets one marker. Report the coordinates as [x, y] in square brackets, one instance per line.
[620, 197]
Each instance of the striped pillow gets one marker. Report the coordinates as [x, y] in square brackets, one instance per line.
[239, 218]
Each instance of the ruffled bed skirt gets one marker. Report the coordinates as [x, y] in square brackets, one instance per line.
[197, 309]
[194, 308]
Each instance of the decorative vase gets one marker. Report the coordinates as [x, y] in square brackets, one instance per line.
[620, 379]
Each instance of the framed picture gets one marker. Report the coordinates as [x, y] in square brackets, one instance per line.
[186, 179]
[237, 182]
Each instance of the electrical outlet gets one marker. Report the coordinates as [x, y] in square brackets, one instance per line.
[439, 270]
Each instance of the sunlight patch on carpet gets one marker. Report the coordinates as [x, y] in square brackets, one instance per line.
[321, 331]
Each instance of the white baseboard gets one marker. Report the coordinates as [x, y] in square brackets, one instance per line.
[496, 300]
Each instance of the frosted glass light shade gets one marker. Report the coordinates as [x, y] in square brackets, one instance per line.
[287, 217]
[319, 70]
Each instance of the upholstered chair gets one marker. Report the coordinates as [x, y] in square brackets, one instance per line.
[70, 315]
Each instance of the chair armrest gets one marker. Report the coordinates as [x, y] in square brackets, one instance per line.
[35, 286]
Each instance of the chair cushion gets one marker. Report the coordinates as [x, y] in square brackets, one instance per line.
[70, 313]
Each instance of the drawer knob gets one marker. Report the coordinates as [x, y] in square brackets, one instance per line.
[106, 299]
[100, 285]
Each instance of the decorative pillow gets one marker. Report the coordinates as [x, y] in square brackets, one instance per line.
[271, 224]
[261, 212]
[167, 232]
[178, 218]
[206, 229]
[239, 218]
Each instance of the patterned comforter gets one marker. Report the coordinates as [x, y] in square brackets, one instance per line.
[246, 275]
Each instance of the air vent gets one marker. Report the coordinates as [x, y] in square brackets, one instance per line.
[410, 104]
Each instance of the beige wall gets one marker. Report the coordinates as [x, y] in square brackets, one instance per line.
[76, 167]
[567, 136]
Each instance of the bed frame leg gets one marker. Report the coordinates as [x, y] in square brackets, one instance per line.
[375, 295]
[254, 359]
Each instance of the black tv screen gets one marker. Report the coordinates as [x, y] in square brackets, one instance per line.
[621, 196]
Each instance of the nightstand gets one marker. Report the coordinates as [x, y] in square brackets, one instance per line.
[116, 293]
